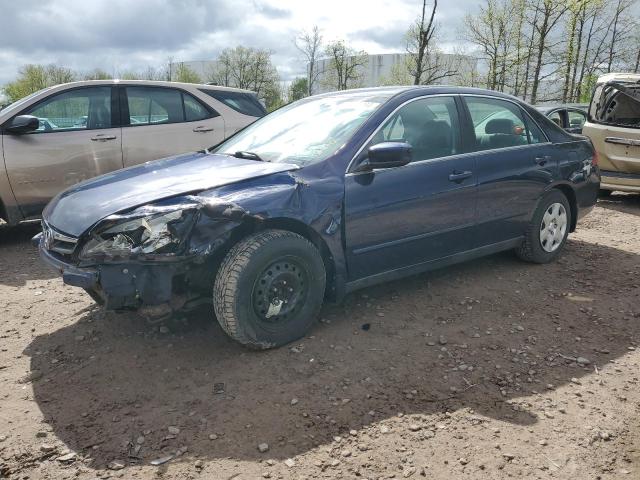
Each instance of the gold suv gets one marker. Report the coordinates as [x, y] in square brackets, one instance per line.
[613, 126]
[62, 135]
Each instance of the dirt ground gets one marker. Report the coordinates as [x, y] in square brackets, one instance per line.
[487, 370]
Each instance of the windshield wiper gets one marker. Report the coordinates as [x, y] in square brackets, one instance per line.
[249, 156]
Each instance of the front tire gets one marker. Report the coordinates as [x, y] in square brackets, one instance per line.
[547, 232]
[269, 289]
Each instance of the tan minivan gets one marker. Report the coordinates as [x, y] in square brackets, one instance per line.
[65, 134]
[613, 125]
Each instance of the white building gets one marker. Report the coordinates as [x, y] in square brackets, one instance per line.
[379, 70]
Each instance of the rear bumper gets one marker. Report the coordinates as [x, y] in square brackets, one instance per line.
[119, 286]
[623, 182]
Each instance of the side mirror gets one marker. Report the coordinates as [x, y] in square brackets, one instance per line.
[23, 124]
[386, 155]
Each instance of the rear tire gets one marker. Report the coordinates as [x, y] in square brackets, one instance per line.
[547, 232]
[269, 289]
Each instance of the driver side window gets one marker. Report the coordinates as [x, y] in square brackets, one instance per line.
[80, 109]
[429, 125]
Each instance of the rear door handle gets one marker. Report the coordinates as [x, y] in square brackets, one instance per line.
[458, 176]
[101, 137]
[542, 160]
[203, 129]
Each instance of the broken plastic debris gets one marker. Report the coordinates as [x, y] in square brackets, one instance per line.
[161, 460]
[274, 308]
[218, 388]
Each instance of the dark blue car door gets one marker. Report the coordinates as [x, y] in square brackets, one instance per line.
[399, 217]
[514, 164]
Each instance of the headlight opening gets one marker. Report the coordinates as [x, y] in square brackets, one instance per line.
[155, 234]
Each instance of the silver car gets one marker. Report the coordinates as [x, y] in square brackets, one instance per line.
[65, 134]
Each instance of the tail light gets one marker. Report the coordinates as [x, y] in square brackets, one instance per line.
[594, 159]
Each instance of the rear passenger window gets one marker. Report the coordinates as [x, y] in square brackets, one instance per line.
[245, 103]
[152, 105]
[500, 124]
[429, 125]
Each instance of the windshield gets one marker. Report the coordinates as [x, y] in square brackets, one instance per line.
[307, 131]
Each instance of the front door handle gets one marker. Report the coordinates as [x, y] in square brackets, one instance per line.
[542, 160]
[101, 137]
[458, 176]
[203, 129]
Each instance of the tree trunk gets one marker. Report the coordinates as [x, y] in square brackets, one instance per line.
[613, 36]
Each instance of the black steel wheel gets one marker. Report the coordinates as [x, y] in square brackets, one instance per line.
[269, 289]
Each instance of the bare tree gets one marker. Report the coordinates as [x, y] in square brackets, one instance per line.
[575, 10]
[427, 64]
[550, 13]
[488, 31]
[345, 65]
[310, 44]
[618, 31]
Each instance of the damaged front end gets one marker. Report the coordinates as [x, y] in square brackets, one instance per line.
[163, 257]
[144, 258]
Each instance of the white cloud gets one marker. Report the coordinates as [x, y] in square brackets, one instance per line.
[119, 35]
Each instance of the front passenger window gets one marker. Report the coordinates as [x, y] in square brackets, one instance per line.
[429, 125]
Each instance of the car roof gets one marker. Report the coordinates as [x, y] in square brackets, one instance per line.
[417, 89]
[153, 83]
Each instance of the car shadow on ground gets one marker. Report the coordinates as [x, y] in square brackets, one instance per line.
[622, 202]
[14, 271]
[486, 335]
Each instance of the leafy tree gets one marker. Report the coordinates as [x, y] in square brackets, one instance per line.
[247, 68]
[299, 89]
[185, 74]
[273, 96]
[32, 78]
[97, 74]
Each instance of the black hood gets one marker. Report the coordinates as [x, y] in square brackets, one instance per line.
[82, 206]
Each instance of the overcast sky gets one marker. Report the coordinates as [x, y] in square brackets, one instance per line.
[121, 35]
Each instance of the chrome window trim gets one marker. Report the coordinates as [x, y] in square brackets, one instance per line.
[458, 155]
[521, 109]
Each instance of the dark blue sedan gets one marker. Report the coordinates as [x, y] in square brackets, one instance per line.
[327, 195]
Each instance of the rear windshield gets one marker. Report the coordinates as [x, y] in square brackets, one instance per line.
[616, 103]
[245, 103]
